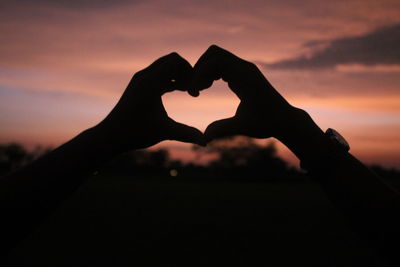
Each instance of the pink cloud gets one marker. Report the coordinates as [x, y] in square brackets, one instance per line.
[88, 54]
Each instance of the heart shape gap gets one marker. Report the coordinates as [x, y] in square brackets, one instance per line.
[215, 103]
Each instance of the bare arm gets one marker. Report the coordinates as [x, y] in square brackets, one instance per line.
[139, 120]
[370, 205]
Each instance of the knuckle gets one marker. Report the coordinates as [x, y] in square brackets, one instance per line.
[137, 76]
[214, 47]
[214, 50]
[174, 55]
[250, 65]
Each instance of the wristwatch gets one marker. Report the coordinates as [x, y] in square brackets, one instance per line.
[336, 147]
[337, 139]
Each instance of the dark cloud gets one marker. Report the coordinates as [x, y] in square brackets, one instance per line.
[381, 46]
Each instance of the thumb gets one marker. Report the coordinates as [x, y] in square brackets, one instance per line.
[222, 128]
[184, 133]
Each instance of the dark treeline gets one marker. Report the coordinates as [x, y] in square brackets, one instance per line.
[238, 158]
[14, 156]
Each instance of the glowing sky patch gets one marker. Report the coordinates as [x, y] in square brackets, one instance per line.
[64, 64]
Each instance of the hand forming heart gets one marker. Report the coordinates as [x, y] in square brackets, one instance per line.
[139, 119]
[262, 111]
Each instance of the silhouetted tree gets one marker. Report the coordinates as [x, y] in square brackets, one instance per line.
[238, 158]
[139, 161]
[14, 155]
[242, 158]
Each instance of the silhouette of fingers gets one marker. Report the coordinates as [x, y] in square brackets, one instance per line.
[184, 133]
[243, 77]
[223, 128]
[170, 72]
[206, 71]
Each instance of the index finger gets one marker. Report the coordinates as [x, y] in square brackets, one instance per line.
[242, 76]
[168, 73]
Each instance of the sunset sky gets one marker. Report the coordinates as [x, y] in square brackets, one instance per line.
[64, 64]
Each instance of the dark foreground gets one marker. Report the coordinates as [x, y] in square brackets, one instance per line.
[117, 220]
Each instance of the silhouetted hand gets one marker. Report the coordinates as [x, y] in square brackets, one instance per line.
[262, 112]
[139, 119]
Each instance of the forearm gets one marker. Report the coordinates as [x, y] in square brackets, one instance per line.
[335, 170]
[139, 120]
[31, 193]
[370, 205]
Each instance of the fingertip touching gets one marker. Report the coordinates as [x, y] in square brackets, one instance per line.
[216, 63]
[173, 72]
[205, 71]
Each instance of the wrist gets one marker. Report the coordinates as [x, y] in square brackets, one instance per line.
[303, 137]
[120, 139]
[103, 140]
